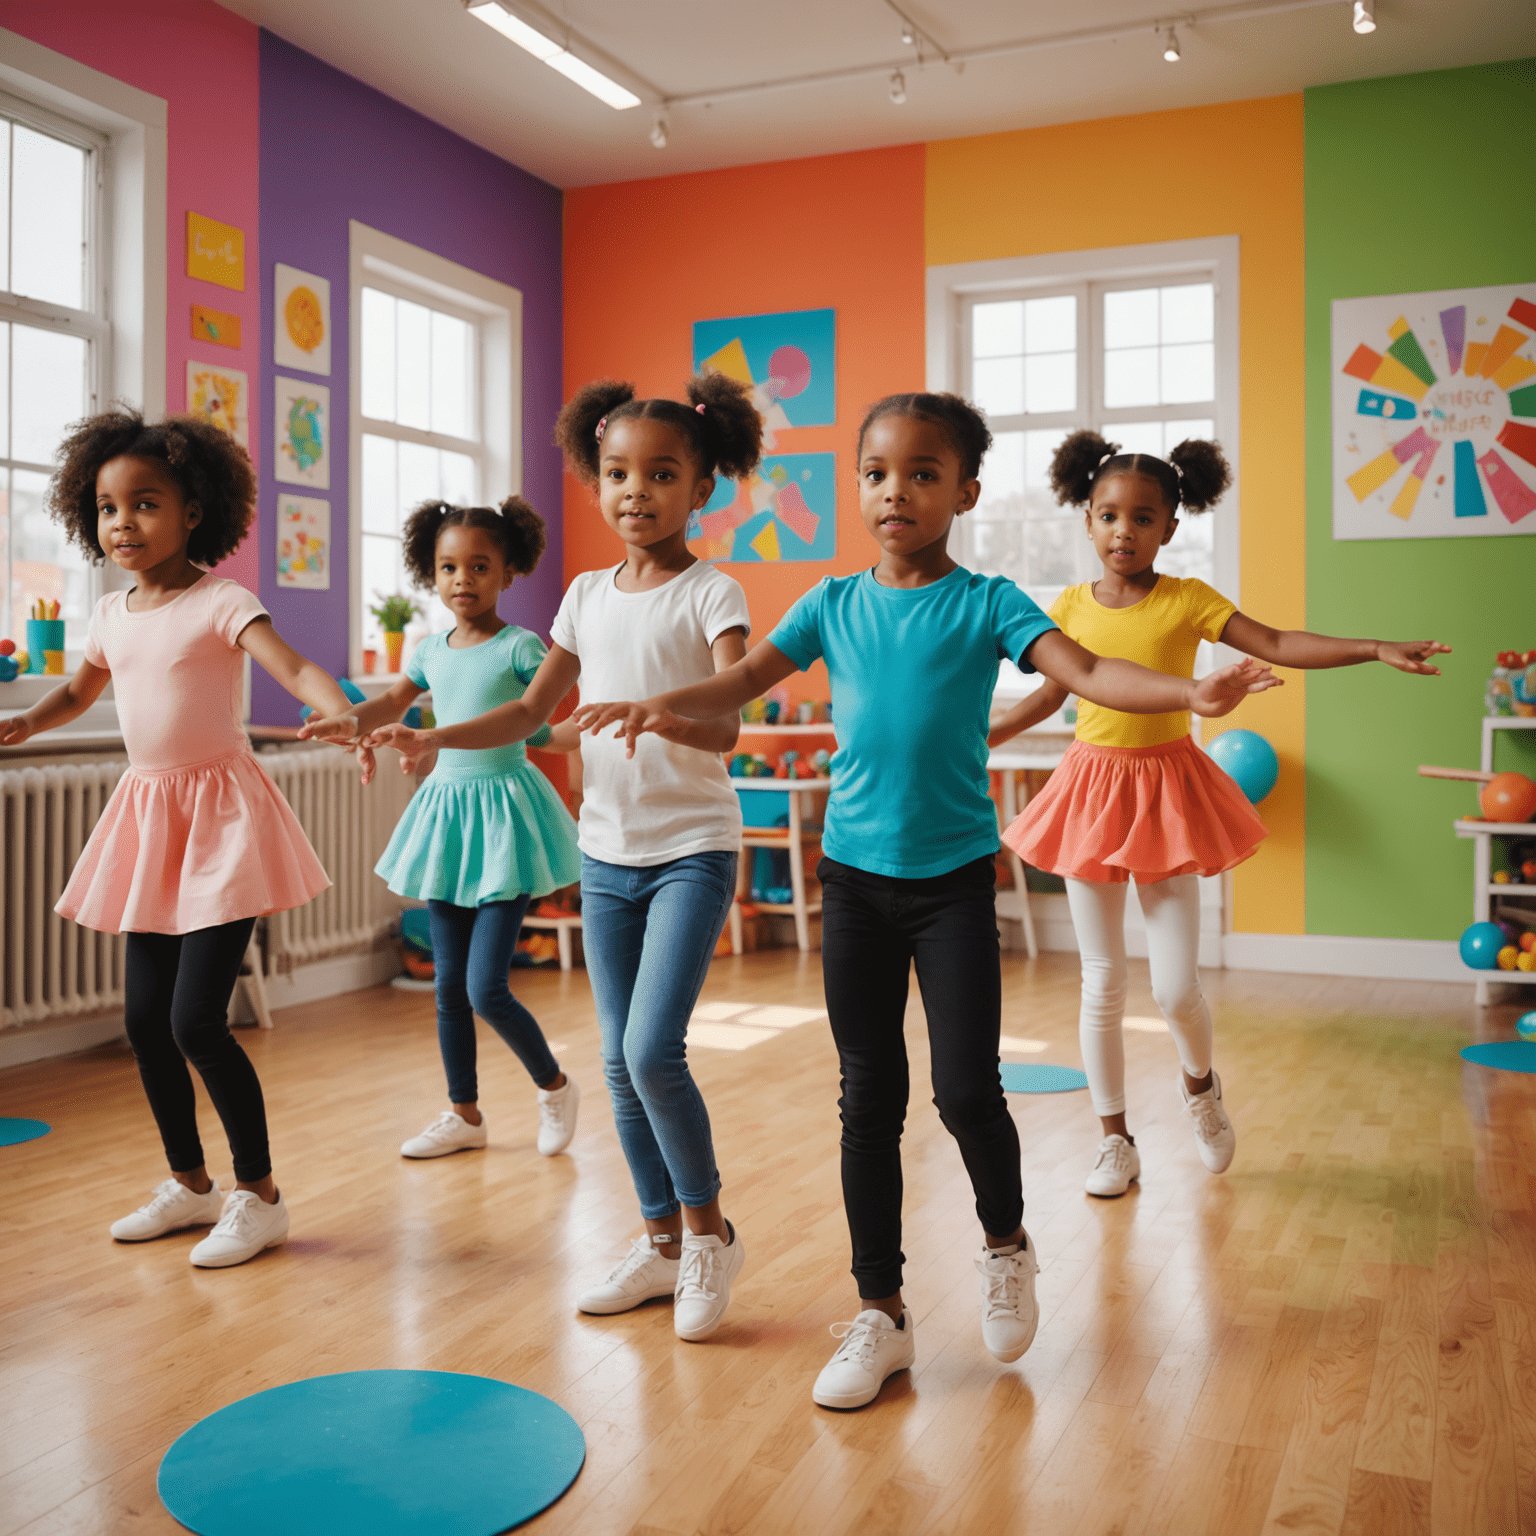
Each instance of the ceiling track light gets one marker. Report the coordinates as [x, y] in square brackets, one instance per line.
[659, 131]
[908, 36]
[531, 39]
[898, 88]
[1364, 19]
[1171, 47]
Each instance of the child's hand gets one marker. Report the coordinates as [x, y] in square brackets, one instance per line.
[341, 729]
[14, 731]
[632, 720]
[411, 745]
[365, 762]
[564, 737]
[1411, 655]
[1222, 691]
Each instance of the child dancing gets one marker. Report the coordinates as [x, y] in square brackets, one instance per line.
[1135, 797]
[913, 647]
[486, 833]
[196, 841]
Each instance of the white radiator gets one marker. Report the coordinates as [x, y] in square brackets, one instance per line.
[48, 965]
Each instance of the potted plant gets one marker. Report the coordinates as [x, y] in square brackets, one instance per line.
[393, 613]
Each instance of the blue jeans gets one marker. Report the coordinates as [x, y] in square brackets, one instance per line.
[648, 934]
[471, 955]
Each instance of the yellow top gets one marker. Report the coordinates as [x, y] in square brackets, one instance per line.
[1162, 631]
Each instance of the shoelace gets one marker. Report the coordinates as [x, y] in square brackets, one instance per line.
[1002, 1284]
[165, 1195]
[1115, 1155]
[859, 1342]
[442, 1127]
[239, 1218]
[1206, 1114]
[640, 1254]
[699, 1265]
[550, 1112]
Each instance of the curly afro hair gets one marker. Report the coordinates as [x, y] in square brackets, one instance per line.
[1195, 474]
[719, 423]
[964, 426]
[515, 526]
[208, 466]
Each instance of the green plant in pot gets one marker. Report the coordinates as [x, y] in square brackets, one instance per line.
[393, 613]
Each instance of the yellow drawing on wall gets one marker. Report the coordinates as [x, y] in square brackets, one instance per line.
[222, 396]
[301, 302]
[215, 251]
[215, 326]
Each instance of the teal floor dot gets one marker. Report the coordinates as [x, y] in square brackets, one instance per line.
[1041, 1077]
[12, 1131]
[1505, 1055]
[386, 1453]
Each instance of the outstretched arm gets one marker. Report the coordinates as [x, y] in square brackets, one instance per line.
[58, 707]
[1298, 648]
[1040, 705]
[360, 719]
[1137, 690]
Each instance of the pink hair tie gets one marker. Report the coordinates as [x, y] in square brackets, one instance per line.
[603, 423]
[700, 408]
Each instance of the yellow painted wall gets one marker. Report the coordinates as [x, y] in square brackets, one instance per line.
[1234, 169]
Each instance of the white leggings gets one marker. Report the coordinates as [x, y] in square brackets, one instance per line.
[1172, 911]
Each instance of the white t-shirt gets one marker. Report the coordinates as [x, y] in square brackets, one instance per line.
[667, 801]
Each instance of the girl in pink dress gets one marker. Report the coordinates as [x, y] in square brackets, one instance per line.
[196, 842]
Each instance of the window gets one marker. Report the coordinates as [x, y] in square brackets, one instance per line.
[54, 344]
[435, 406]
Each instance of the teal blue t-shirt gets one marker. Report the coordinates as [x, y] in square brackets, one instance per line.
[912, 671]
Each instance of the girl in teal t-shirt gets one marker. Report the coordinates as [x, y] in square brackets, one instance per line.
[486, 832]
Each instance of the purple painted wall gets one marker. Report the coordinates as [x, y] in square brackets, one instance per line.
[332, 150]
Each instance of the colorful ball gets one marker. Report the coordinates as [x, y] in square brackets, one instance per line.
[1527, 940]
[1507, 957]
[1525, 1026]
[8, 669]
[1508, 797]
[1246, 757]
[7, 647]
[1480, 946]
[1525, 961]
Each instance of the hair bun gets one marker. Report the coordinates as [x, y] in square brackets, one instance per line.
[1075, 464]
[1204, 474]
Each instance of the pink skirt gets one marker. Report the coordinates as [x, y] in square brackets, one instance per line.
[186, 848]
[1109, 813]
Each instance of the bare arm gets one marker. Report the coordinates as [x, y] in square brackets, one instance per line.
[65, 703]
[714, 697]
[1136, 690]
[360, 719]
[1298, 648]
[719, 734]
[1040, 705]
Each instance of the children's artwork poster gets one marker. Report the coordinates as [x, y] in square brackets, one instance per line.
[222, 396]
[787, 360]
[214, 325]
[215, 251]
[302, 432]
[786, 509]
[1434, 414]
[303, 542]
[301, 331]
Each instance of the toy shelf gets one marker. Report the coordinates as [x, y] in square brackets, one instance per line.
[812, 728]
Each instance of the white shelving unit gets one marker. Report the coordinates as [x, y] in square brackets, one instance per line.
[1485, 891]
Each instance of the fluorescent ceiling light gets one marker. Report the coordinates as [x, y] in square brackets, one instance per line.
[547, 51]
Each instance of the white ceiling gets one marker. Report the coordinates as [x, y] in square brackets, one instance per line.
[436, 58]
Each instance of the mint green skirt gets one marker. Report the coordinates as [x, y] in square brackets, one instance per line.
[487, 837]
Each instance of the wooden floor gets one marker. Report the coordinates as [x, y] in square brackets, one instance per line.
[1338, 1335]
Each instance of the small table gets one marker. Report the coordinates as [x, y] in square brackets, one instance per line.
[791, 839]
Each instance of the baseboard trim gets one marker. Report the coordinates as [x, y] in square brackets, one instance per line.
[57, 1037]
[328, 978]
[1327, 954]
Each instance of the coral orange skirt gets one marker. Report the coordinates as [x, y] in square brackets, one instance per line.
[1110, 813]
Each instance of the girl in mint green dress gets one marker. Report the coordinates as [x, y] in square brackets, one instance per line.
[486, 833]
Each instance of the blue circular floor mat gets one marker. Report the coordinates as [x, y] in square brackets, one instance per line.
[386, 1453]
[1041, 1077]
[12, 1131]
[1505, 1055]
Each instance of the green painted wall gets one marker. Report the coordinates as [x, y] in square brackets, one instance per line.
[1415, 182]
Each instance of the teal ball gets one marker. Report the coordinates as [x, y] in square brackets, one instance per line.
[1525, 1026]
[1480, 946]
[1246, 757]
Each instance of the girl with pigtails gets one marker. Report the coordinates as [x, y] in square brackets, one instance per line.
[1135, 798]
[486, 833]
[658, 835]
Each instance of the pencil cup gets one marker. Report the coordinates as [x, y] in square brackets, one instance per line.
[45, 645]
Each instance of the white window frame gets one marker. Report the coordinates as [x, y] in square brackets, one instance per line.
[495, 310]
[127, 129]
[953, 289]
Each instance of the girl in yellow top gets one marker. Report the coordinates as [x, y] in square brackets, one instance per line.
[1135, 797]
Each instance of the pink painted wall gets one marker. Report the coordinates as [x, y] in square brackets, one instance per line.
[203, 60]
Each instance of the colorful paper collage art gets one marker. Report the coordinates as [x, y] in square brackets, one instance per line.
[1434, 414]
[222, 396]
[303, 542]
[785, 510]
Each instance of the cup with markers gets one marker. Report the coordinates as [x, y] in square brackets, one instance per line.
[45, 638]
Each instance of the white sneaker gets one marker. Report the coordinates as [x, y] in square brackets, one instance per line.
[247, 1226]
[557, 1117]
[1009, 1311]
[172, 1207]
[448, 1133]
[1214, 1136]
[704, 1275]
[873, 1348]
[1118, 1167]
[642, 1274]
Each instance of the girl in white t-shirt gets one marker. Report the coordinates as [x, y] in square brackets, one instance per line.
[659, 836]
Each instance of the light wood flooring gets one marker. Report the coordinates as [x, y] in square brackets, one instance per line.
[1339, 1335]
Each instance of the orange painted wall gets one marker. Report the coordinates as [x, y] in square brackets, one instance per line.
[645, 259]
[1229, 169]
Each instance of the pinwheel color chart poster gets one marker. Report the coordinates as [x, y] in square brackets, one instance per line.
[1434, 414]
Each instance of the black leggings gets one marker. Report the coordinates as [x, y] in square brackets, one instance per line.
[872, 928]
[178, 988]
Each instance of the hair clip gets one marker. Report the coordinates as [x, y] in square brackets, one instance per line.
[1105, 460]
[1175, 468]
[700, 407]
[599, 433]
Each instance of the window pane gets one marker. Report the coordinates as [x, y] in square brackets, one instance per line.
[420, 477]
[458, 479]
[381, 497]
[1189, 313]
[381, 577]
[5, 389]
[997, 549]
[1189, 373]
[48, 218]
[450, 376]
[42, 564]
[1130, 318]
[1051, 549]
[1050, 325]
[1050, 382]
[1175, 432]
[1138, 437]
[1130, 377]
[51, 368]
[1191, 550]
[378, 359]
[1039, 448]
[998, 385]
[413, 341]
[997, 330]
[5, 203]
[1002, 478]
